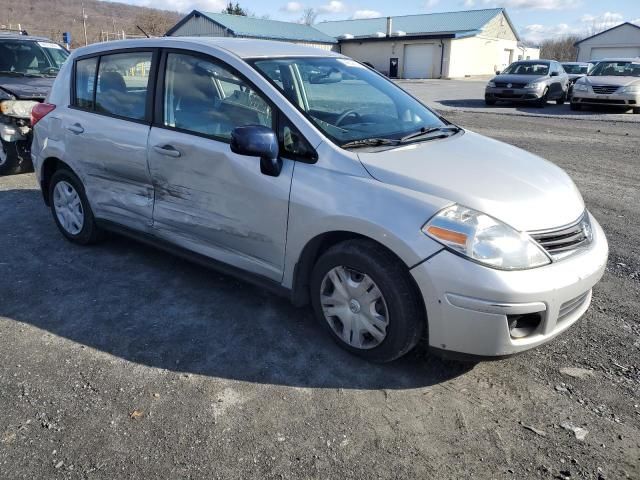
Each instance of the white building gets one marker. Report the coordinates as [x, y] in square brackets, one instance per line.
[622, 41]
[436, 45]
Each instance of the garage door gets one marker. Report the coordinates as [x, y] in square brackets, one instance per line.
[418, 61]
[614, 52]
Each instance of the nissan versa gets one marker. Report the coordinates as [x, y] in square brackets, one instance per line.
[314, 175]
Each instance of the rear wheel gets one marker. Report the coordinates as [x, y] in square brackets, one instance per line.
[71, 210]
[364, 296]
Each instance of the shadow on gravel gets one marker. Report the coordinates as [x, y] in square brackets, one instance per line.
[550, 109]
[154, 309]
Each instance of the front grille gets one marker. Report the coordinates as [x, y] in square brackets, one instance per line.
[513, 85]
[606, 101]
[567, 308]
[604, 89]
[565, 239]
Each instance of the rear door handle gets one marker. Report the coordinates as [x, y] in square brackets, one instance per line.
[75, 128]
[168, 150]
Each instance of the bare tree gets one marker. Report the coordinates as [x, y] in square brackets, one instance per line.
[309, 16]
[561, 49]
[154, 22]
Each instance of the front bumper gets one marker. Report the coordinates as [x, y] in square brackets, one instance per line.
[623, 100]
[513, 94]
[469, 305]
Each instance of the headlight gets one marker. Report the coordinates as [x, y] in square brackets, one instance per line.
[534, 85]
[631, 89]
[580, 87]
[17, 108]
[491, 85]
[484, 239]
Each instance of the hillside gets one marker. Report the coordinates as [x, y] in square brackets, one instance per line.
[52, 17]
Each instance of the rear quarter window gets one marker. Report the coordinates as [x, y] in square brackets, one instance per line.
[85, 83]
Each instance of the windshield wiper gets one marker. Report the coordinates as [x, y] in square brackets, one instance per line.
[370, 142]
[426, 131]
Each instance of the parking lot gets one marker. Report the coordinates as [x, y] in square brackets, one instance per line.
[121, 361]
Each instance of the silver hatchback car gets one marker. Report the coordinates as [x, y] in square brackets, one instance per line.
[315, 176]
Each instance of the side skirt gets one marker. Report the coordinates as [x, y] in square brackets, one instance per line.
[148, 239]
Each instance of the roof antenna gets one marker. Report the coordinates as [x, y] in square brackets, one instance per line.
[140, 28]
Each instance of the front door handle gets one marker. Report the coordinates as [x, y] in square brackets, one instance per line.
[168, 150]
[75, 128]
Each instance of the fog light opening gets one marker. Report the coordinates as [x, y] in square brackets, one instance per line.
[521, 326]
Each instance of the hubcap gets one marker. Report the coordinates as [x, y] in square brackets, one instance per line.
[354, 307]
[68, 207]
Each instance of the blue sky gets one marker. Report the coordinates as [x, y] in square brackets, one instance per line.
[534, 19]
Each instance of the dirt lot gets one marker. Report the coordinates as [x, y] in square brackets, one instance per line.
[119, 361]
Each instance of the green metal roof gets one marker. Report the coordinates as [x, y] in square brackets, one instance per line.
[243, 26]
[452, 23]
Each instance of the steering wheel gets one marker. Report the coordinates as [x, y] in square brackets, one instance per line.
[346, 114]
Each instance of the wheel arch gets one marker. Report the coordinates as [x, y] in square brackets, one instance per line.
[49, 166]
[300, 292]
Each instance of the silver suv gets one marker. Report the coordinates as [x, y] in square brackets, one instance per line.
[318, 178]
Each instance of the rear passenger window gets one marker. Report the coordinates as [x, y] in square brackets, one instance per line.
[85, 82]
[202, 96]
[123, 80]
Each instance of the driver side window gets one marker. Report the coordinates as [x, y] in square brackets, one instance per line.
[203, 97]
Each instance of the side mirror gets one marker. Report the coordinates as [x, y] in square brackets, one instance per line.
[554, 74]
[497, 72]
[258, 141]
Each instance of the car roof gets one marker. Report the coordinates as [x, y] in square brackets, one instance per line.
[241, 47]
[19, 36]
[619, 59]
[534, 61]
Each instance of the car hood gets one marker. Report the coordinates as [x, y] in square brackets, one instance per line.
[510, 184]
[612, 80]
[26, 87]
[518, 78]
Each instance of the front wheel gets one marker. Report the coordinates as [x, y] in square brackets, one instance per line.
[71, 210]
[365, 298]
[542, 101]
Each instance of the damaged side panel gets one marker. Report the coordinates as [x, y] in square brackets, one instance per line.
[218, 203]
[112, 158]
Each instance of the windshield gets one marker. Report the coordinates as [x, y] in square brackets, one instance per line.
[27, 57]
[575, 69]
[346, 100]
[527, 68]
[616, 69]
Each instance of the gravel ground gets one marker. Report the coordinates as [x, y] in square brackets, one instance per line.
[120, 361]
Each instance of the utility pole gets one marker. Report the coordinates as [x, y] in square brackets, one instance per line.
[84, 26]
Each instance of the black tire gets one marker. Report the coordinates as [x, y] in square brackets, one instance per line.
[9, 159]
[562, 99]
[489, 101]
[542, 101]
[90, 232]
[406, 316]
[575, 106]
